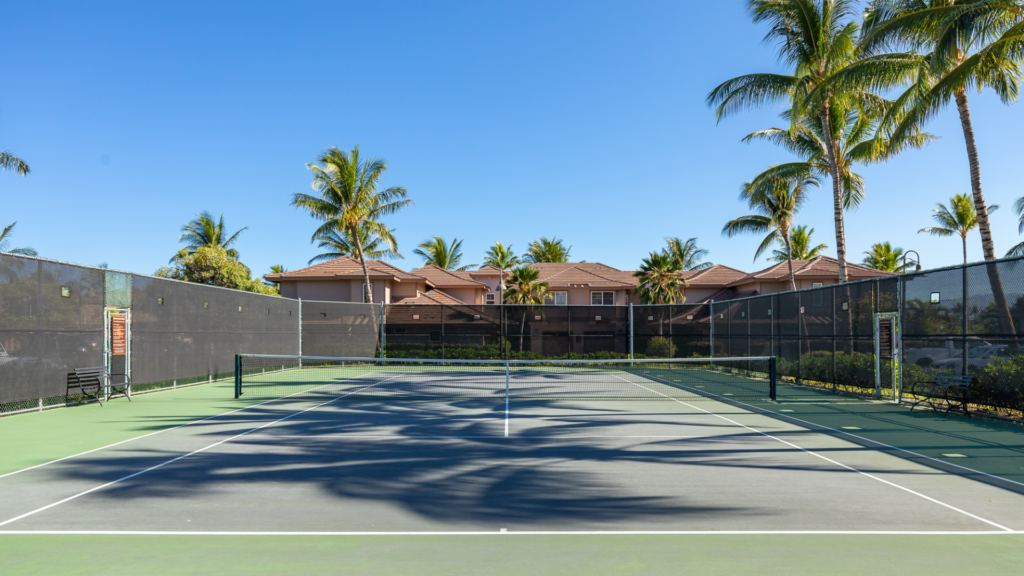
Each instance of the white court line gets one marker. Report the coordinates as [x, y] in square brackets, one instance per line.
[827, 459]
[2, 476]
[524, 533]
[495, 436]
[171, 461]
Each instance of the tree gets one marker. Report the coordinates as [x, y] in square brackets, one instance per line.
[276, 269]
[958, 219]
[348, 198]
[883, 256]
[438, 252]
[659, 280]
[800, 243]
[340, 243]
[545, 250]
[775, 213]
[817, 38]
[524, 289]
[503, 259]
[204, 232]
[687, 254]
[5, 242]
[212, 265]
[954, 45]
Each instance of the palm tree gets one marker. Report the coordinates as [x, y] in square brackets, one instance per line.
[965, 44]
[11, 162]
[883, 256]
[659, 280]
[687, 254]
[203, 232]
[348, 198]
[775, 213]
[340, 243]
[5, 241]
[278, 269]
[855, 122]
[437, 252]
[953, 46]
[503, 259]
[524, 289]
[800, 244]
[817, 38]
[545, 250]
[958, 219]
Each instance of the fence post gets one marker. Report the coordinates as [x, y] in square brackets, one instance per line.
[300, 332]
[238, 376]
[965, 327]
[772, 377]
[383, 339]
[631, 333]
[835, 364]
[711, 331]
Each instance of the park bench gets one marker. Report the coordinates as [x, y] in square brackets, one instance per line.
[953, 390]
[97, 381]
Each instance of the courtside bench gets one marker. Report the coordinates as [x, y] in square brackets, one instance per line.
[953, 390]
[96, 381]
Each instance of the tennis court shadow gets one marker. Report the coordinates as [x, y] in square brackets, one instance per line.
[982, 449]
[450, 463]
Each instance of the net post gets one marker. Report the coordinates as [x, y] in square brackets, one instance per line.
[772, 378]
[238, 376]
[631, 333]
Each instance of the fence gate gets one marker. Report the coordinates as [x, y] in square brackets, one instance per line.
[117, 341]
[887, 352]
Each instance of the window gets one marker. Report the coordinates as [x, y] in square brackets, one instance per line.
[556, 298]
[602, 298]
[489, 298]
[65, 292]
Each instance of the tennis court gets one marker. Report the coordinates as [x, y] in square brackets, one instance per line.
[460, 448]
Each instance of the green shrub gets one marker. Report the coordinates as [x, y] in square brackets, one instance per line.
[660, 347]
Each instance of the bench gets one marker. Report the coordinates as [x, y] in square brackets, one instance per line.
[951, 389]
[97, 380]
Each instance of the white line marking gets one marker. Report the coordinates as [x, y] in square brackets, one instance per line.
[519, 533]
[173, 460]
[827, 459]
[496, 436]
[2, 476]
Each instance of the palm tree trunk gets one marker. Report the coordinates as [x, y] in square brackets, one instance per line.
[369, 287]
[837, 192]
[987, 246]
[964, 238]
[789, 260]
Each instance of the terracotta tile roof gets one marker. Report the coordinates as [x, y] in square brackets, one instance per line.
[818, 267]
[486, 271]
[447, 278]
[432, 297]
[346, 267]
[717, 275]
[584, 274]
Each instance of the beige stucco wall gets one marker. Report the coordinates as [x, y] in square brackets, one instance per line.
[465, 295]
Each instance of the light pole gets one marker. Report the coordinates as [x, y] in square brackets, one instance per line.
[917, 267]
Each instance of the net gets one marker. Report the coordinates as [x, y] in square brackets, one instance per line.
[651, 379]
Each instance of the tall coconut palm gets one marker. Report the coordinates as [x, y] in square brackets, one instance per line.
[883, 256]
[951, 46]
[349, 198]
[203, 232]
[340, 243]
[524, 289]
[775, 213]
[438, 252]
[687, 254]
[9, 161]
[502, 258]
[816, 38]
[956, 220]
[955, 45]
[547, 250]
[800, 244]
[659, 281]
[5, 241]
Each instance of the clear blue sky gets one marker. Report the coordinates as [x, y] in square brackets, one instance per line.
[505, 120]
